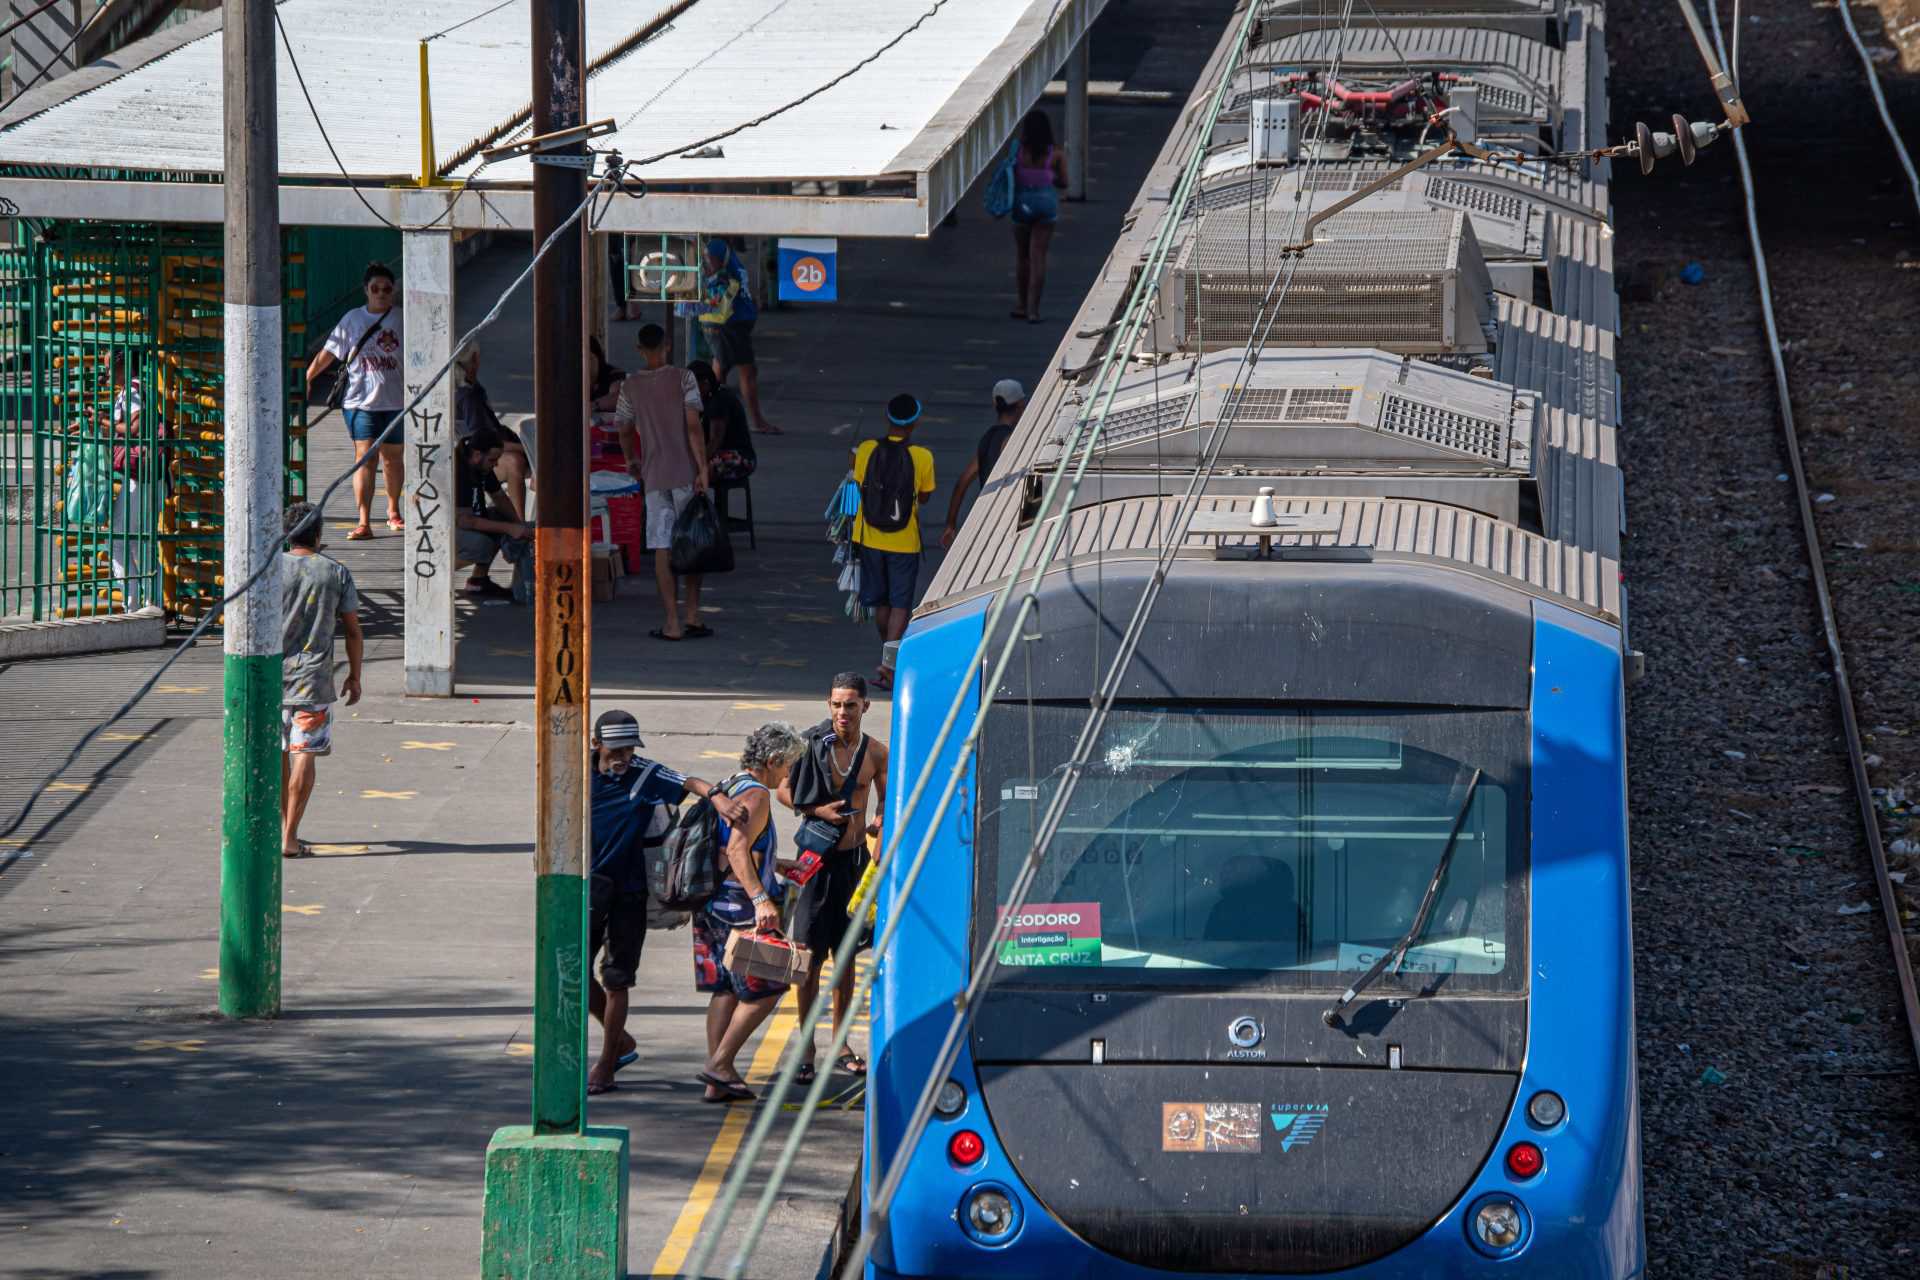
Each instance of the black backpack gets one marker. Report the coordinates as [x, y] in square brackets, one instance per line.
[887, 495]
[685, 871]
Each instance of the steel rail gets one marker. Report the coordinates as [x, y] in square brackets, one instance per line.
[1829, 623]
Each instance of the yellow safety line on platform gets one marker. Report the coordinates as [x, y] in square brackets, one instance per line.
[693, 1214]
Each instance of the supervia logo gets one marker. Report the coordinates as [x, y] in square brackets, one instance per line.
[1298, 1124]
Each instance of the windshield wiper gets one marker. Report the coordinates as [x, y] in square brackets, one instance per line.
[1396, 955]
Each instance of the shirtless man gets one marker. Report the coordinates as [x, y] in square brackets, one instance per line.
[820, 915]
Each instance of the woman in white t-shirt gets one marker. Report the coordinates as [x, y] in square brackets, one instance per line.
[369, 339]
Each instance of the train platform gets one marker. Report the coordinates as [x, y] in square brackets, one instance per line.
[146, 1138]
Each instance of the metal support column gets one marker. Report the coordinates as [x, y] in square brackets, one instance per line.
[1076, 131]
[428, 295]
[250, 831]
[557, 1189]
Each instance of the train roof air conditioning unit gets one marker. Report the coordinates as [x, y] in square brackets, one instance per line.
[1536, 19]
[1413, 283]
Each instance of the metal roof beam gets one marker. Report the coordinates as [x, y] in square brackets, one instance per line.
[477, 210]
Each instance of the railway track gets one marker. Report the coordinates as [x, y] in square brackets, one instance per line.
[1774, 1007]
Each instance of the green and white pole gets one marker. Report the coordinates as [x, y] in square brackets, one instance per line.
[250, 824]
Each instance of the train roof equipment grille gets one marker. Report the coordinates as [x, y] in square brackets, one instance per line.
[1408, 281]
[1448, 428]
[1536, 19]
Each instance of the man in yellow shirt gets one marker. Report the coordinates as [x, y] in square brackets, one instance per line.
[895, 477]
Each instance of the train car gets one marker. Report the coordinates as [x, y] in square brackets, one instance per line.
[1388, 724]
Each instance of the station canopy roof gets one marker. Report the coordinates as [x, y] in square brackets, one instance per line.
[900, 137]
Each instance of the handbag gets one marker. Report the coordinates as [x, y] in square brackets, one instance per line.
[998, 197]
[817, 835]
[338, 391]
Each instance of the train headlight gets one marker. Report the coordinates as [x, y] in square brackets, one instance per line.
[1546, 1109]
[1498, 1225]
[950, 1101]
[990, 1215]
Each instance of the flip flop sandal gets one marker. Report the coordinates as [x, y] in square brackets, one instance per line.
[734, 1089]
[659, 634]
[359, 533]
[851, 1063]
[716, 1098]
[396, 524]
[300, 850]
[807, 1074]
[695, 633]
[595, 1090]
[626, 1059]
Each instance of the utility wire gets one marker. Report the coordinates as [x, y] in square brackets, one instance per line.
[713, 53]
[54, 61]
[967, 1002]
[313, 517]
[1132, 322]
[353, 183]
[465, 22]
[804, 98]
[1873, 83]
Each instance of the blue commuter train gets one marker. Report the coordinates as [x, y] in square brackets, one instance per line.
[1388, 725]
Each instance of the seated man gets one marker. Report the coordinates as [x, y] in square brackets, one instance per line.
[483, 520]
[473, 410]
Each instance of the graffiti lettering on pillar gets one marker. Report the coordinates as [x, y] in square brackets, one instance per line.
[567, 970]
[566, 632]
[427, 443]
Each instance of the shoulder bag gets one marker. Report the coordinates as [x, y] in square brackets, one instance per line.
[338, 392]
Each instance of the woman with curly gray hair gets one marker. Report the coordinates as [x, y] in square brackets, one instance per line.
[749, 898]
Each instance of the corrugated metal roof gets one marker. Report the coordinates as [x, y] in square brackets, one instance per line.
[1134, 528]
[721, 63]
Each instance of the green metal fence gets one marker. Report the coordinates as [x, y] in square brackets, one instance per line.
[111, 393]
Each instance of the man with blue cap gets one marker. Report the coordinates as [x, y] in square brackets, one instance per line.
[728, 325]
[895, 477]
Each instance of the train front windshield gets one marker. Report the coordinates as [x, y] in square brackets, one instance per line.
[1282, 847]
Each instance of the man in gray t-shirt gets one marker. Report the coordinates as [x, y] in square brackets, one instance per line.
[316, 595]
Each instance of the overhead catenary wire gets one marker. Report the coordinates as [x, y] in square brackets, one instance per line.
[1873, 83]
[1017, 634]
[1816, 559]
[1058, 493]
[313, 517]
[967, 1002]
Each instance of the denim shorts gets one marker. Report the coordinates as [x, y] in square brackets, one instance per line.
[1033, 205]
[367, 424]
[887, 578]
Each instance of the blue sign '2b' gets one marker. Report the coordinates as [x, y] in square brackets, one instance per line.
[809, 269]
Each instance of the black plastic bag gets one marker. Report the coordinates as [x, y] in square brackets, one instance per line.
[700, 544]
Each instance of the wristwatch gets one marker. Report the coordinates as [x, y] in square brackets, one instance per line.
[758, 898]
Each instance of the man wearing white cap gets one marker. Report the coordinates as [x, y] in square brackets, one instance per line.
[1009, 398]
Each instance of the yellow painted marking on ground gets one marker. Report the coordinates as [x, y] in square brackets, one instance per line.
[510, 653]
[693, 1214]
[69, 786]
[114, 735]
[759, 706]
[338, 850]
[209, 975]
[179, 688]
[179, 1046]
[13, 844]
[719, 755]
[311, 909]
[374, 793]
[782, 662]
[411, 745]
[517, 1050]
[820, 619]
